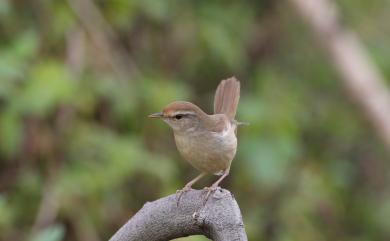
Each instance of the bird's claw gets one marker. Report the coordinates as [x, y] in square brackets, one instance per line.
[179, 194]
[209, 191]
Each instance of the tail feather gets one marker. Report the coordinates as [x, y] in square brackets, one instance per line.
[227, 97]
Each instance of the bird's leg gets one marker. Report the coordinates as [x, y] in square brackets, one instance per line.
[215, 184]
[188, 186]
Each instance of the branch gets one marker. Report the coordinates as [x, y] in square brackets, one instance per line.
[362, 79]
[104, 38]
[219, 219]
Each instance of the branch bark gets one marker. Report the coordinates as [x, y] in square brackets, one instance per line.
[219, 219]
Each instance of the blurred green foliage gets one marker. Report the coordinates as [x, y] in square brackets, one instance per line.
[78, 156]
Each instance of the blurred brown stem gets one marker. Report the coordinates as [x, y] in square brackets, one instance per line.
[219, 219]
[361, 77]
[104, 37]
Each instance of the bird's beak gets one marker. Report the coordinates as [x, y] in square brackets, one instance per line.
[156, 115]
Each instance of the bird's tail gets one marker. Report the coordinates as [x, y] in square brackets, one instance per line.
[227, 97]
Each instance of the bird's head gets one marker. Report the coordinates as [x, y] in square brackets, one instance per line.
[181, 116]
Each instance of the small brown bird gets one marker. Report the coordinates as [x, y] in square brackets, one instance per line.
[207, 142]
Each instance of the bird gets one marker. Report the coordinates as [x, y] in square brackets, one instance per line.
[207, 141]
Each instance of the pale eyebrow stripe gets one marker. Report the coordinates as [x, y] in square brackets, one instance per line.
[183, 113]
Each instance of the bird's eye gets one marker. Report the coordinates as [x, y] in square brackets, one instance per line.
[178, 116]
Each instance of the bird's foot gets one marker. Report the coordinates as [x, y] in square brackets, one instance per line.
[209, 190]
[179, 193]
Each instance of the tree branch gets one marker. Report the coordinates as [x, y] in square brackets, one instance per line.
[219, 219]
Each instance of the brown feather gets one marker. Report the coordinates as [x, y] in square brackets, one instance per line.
[176, 106]
[227, 97]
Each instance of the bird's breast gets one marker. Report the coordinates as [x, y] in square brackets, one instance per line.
[207, 151]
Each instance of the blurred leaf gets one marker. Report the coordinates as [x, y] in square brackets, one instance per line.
[269, 159]
[121, 12]
[192, 238]
[158, 10]
[11, 132]
[221, 33]
[157, 92]
[5, 7]
[6, 214]
[13, 61]
[121, 95]
[63, 21]
[100, 159]
[52, 233]
[50, 85]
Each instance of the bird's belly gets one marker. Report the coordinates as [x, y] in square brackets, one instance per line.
[211, 154]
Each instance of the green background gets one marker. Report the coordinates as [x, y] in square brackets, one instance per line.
[78, 155]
